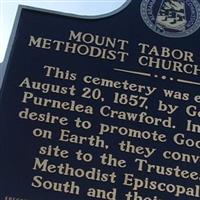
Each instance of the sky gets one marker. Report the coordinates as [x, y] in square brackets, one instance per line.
[8, 9]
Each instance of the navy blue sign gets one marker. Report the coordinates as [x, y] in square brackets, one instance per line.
[103, 108]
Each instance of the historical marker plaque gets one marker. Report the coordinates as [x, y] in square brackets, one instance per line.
[103, 108]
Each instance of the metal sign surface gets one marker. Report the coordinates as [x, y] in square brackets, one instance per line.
[104, 107]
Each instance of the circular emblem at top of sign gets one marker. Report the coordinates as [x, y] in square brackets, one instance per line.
[171, 18]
